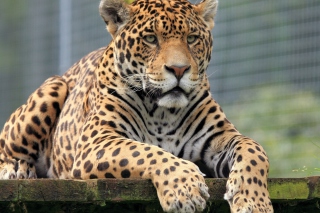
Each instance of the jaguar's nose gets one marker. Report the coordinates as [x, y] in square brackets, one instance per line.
[178, 71]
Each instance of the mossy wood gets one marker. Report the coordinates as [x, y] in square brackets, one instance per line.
[124, 195]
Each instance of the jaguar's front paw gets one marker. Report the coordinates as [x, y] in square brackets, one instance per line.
[17, 170]
[26, 170]
[247, 194]
[181, 187]
[7, 170]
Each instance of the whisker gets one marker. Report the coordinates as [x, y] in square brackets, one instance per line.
[211, 73]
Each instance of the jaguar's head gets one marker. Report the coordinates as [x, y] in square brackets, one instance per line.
[162, 47]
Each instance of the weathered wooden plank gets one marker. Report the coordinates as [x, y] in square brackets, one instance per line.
[129, 195]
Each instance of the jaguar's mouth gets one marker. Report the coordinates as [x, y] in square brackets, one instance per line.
[175, 97]
[177, 91]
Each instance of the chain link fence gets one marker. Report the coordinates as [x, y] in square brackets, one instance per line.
[265, 69]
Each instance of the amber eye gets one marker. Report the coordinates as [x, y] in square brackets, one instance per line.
[191, 38]
[152, 39]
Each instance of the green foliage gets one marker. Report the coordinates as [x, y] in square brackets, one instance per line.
[285, 123]
[308, 171]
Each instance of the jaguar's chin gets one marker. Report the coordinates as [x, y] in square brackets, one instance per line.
[175, 98]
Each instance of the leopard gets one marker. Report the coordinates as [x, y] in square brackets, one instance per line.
[140, 107]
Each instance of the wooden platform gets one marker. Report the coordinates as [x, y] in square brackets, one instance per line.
[127, 195]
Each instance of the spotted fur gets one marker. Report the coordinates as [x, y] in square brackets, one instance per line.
[140, 107]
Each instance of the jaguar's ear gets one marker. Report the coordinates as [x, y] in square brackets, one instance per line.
[207, 9]
[115, 14]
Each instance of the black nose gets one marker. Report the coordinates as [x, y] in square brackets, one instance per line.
[178, 71]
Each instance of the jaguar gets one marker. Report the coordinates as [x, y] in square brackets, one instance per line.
[140, 107]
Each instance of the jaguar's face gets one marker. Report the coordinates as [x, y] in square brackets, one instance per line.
[164, 49]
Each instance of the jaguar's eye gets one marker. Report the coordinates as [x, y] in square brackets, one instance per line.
[152, 39]
[191, 38]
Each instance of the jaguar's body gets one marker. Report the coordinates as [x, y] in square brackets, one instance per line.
[140, 107]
